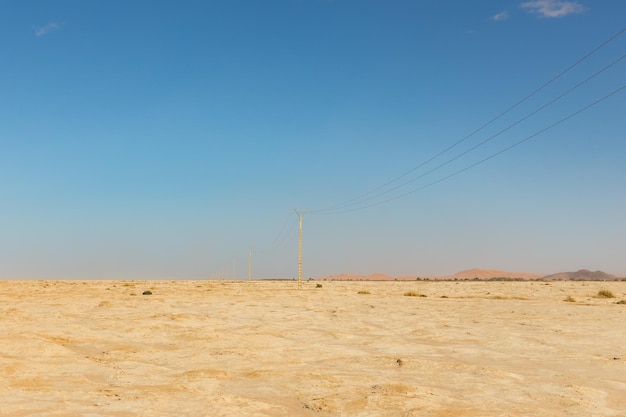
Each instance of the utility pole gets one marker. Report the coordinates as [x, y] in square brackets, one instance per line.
[234, 268]
[300, 252]
[250, 264]
[299, 247]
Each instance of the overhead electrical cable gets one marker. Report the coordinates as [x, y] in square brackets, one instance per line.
[490, 138]
[527, 138]
[361, 198]
[286, 232]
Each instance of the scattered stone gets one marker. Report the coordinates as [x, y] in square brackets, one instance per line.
[399, 362]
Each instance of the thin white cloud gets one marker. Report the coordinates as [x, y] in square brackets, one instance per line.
[553, 8]
[499, 17]
[47, 28]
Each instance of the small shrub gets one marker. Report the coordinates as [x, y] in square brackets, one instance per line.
[621, 302]
[570, 299]
[363, 292]
[605, 294]
[318, 285]
[412, 294]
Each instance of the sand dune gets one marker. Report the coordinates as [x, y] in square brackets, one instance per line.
[493, 273]
[270, 349]
[466, 275]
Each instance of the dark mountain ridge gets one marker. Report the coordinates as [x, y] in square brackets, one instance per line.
[581, 275]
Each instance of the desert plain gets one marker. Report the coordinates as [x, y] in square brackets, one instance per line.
[274, 348]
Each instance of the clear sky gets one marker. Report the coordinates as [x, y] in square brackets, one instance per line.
[163, 139]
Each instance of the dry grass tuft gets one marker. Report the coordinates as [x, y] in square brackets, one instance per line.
[570, 299]
[605, 294]
[413, 294]
[318, 285]
[621, 302]
[363, 292]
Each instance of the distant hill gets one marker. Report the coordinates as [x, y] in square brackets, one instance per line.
[493, 273]
[582, 275]
[483, 275]
[470, 274]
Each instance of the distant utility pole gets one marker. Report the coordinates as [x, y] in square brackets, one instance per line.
[250, 264]
[234, 268]
[299, 246]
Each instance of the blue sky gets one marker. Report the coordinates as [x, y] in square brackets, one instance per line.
[162, 139]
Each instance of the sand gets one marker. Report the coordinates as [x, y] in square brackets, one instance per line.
[202, 348]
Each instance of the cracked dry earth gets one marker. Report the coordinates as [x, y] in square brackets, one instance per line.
[206, 348]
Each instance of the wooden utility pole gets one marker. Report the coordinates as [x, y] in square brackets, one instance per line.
[250, 264]
[300, 252]
[299, 247]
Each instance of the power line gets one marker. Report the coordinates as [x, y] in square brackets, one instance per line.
[490, 138]
[361, 198]
[571, 115]
[285, 234]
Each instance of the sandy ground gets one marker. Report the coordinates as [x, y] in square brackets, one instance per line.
[192, 348]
